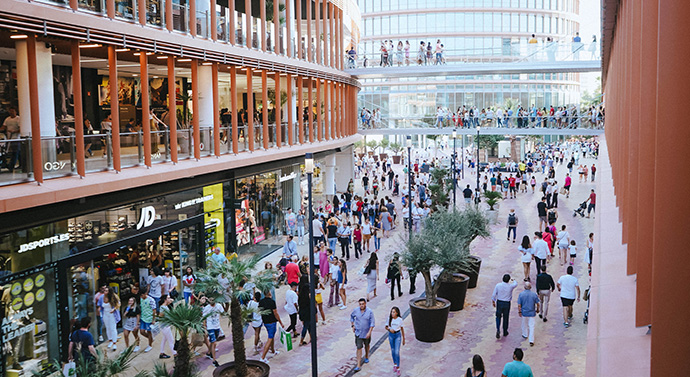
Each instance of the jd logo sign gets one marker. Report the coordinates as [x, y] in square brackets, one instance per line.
[148, 214]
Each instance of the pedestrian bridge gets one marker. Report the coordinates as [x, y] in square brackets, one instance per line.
[537, 131]
[480, 68]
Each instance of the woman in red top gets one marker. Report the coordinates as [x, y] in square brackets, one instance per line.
[548, 237]
[357, 239]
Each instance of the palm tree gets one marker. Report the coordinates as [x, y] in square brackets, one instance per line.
[102, 366]
[239, 272]
[186, 319]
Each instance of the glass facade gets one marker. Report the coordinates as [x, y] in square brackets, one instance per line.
[467, 28]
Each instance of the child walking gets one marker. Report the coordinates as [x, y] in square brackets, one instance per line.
[573, 251]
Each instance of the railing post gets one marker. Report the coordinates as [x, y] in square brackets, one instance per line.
[140, 147]
[166, 142]
[109, 149]
[29, 157]
[72, 156]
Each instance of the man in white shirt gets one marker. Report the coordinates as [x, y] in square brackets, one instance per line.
[318, 231]
[570, 291]
[417, 214]
[541, 250]
[501, 297]
[212, 312]
[291, 308]
[406, 216]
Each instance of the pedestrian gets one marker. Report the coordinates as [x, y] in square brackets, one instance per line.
[517, 368]
[81, 345]
[304, 309]
[318, 298]
[166, 332]
[148, 314]
[301, 220]
[393, 275]
[342, 283]
[594, 172]
[111, 316]
[477, 369]
[188, 281]
[545, 286]
[528, 306]
[344, 235]
[212, 313]
[366, 234]
[512, 223]
[554, 195]
[541, 250]
[396, 336]
[256, 322]
[590, 253]
[592, 203]
[572, 251]
[501, 297]
[527, 255]
[568, 183]
[570, 291]
[362, 322]
[98, 303]
[563, 240]
[292, 308]
[270, 318]
[467, 194]
[541, 211]
[333, 280]
[131, 323]
[372, 273]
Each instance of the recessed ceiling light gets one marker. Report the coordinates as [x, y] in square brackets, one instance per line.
[162, 57]
[121, 49]
[90, 45]
[19, 36]
[184, 60]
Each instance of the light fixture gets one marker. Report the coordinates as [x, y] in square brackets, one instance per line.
[162, 57]
[478, 128]
[136, 53]
[455, 133]
[185, 60]
[206, 63]
[19, 36]
[90, 45]
[309, 163]
[121, 49]
[409, 141]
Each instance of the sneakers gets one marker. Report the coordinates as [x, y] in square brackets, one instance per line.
[163, 356]
[343, 307]
[498, 335]
[100, 338]
[545, 320]
[566, 324]
[276, 353]
[136, 349]
[148, 349]
[365, 360]
[531, 344]
[110, 345]
[264, 360]
[357, 369]
[114, 347]
[208, 356]
[215, 363]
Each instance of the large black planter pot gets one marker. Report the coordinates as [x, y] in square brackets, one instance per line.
[429, 324]
[473, 273]
[265, 369]
[454, 291]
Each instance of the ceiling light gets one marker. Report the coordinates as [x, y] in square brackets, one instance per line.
[149, 53]
[90, 45]
[184, 60]
[162, 57]
[19, 36]
[137, 54]
[121, 49]
[206, 63]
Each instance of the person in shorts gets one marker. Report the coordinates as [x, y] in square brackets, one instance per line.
[362, 322]
[212, 312]
[148, 308]
[570, 291]
[270, 319]
[541, 211]
[257, 321]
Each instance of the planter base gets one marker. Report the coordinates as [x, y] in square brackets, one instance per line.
[473, 273]
[256, 369]
[429, 323]
[455, 291]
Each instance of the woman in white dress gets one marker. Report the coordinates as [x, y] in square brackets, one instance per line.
[111, 316]
[372, 272]
[527, 255]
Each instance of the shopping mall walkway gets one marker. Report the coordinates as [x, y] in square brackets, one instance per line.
[557, 351]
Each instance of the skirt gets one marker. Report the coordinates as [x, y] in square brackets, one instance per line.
[130, 324]
[371, 281]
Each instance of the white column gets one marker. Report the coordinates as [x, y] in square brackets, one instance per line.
[345, 168]
[206, 96]
[329, 177]
[44, 69]
[297, 190]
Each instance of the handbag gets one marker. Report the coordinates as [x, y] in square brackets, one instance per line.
[174, 294]
[70, 369]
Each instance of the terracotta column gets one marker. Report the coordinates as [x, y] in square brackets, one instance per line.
[74, 4]
[288, 27]
[216, 110]
[308, 39]
[250, 110]
[326, 114]
[647, 151]
[145, 109]
[168, 15]
[262, 13]
[290, 129]
[298, 18]
[279, 125]
[310, 107]
[319, 117]
[192, 17]
[317, 25]
[141, 11]
[341, 40]
[326, 33]
[264, 108]
[232, 21]
[78, 108]
[196, 128]
[333, 42]
[172, 108]
[248, 18]
[235, 110]
[214, 21]
[670, 284]
[334, 129]
[114, 105]
[300, 108]
[276, 25]
[110, 8]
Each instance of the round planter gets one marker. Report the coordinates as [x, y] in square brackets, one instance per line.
[429, 323]
[396, 159]
[455, 291]
[473, 273]
[263, 367]
[492, 215]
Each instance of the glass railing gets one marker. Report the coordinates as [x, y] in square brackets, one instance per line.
[126, 9]
[97, 6]
[203, 20]
[180, 17]
[222, 27]
[551, 52]
[154, 12]
[15, 160]
[526, 121]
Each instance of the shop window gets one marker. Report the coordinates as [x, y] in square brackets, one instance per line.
[259, 214]
[29, 325]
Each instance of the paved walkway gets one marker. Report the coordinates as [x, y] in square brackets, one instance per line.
[557, 352]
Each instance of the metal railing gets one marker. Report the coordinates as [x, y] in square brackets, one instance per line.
[180, 17]
[526, 121]
[546, 52]
[126, 9]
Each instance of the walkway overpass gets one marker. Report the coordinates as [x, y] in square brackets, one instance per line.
[538, 131]
[481, 68]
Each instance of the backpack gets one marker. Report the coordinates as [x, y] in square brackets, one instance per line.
[393, 270]
[511, 219]
[372, 211]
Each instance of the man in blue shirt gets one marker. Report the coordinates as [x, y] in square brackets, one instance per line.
[517, 368]
[81, 343]
[362, 321]
[290, 247]
[528, 306]
[218, 257]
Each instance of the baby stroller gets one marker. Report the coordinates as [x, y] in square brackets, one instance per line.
[580, 210]
[587, 296]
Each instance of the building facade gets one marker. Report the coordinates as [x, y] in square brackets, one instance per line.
[139, 134]
[470, 31]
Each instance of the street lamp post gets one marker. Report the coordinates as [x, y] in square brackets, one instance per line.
[477, 200]
[309, 169]
[409, 185]
[452, 165]
[462, 163]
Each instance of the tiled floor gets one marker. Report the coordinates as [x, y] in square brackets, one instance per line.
[557, 352]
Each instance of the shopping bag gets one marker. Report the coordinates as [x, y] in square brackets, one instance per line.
[285, 339]
[70, 369]
[155, 329]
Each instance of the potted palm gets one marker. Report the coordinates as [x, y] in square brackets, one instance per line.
[383, 144]
[476, 224]
[186, 319]
[396, 148]
[101, 366]
[239, 272]
[492, 198]
[372, 144]
[442, 243]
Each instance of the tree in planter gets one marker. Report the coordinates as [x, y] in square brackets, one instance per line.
[360, 147]
[488, 142]
[238, 272]
[396, 148]
[102, 366]
[444, 243]
[384, 144]
[186, 319]
[373, 144]
[492, 198]
[440, 186]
